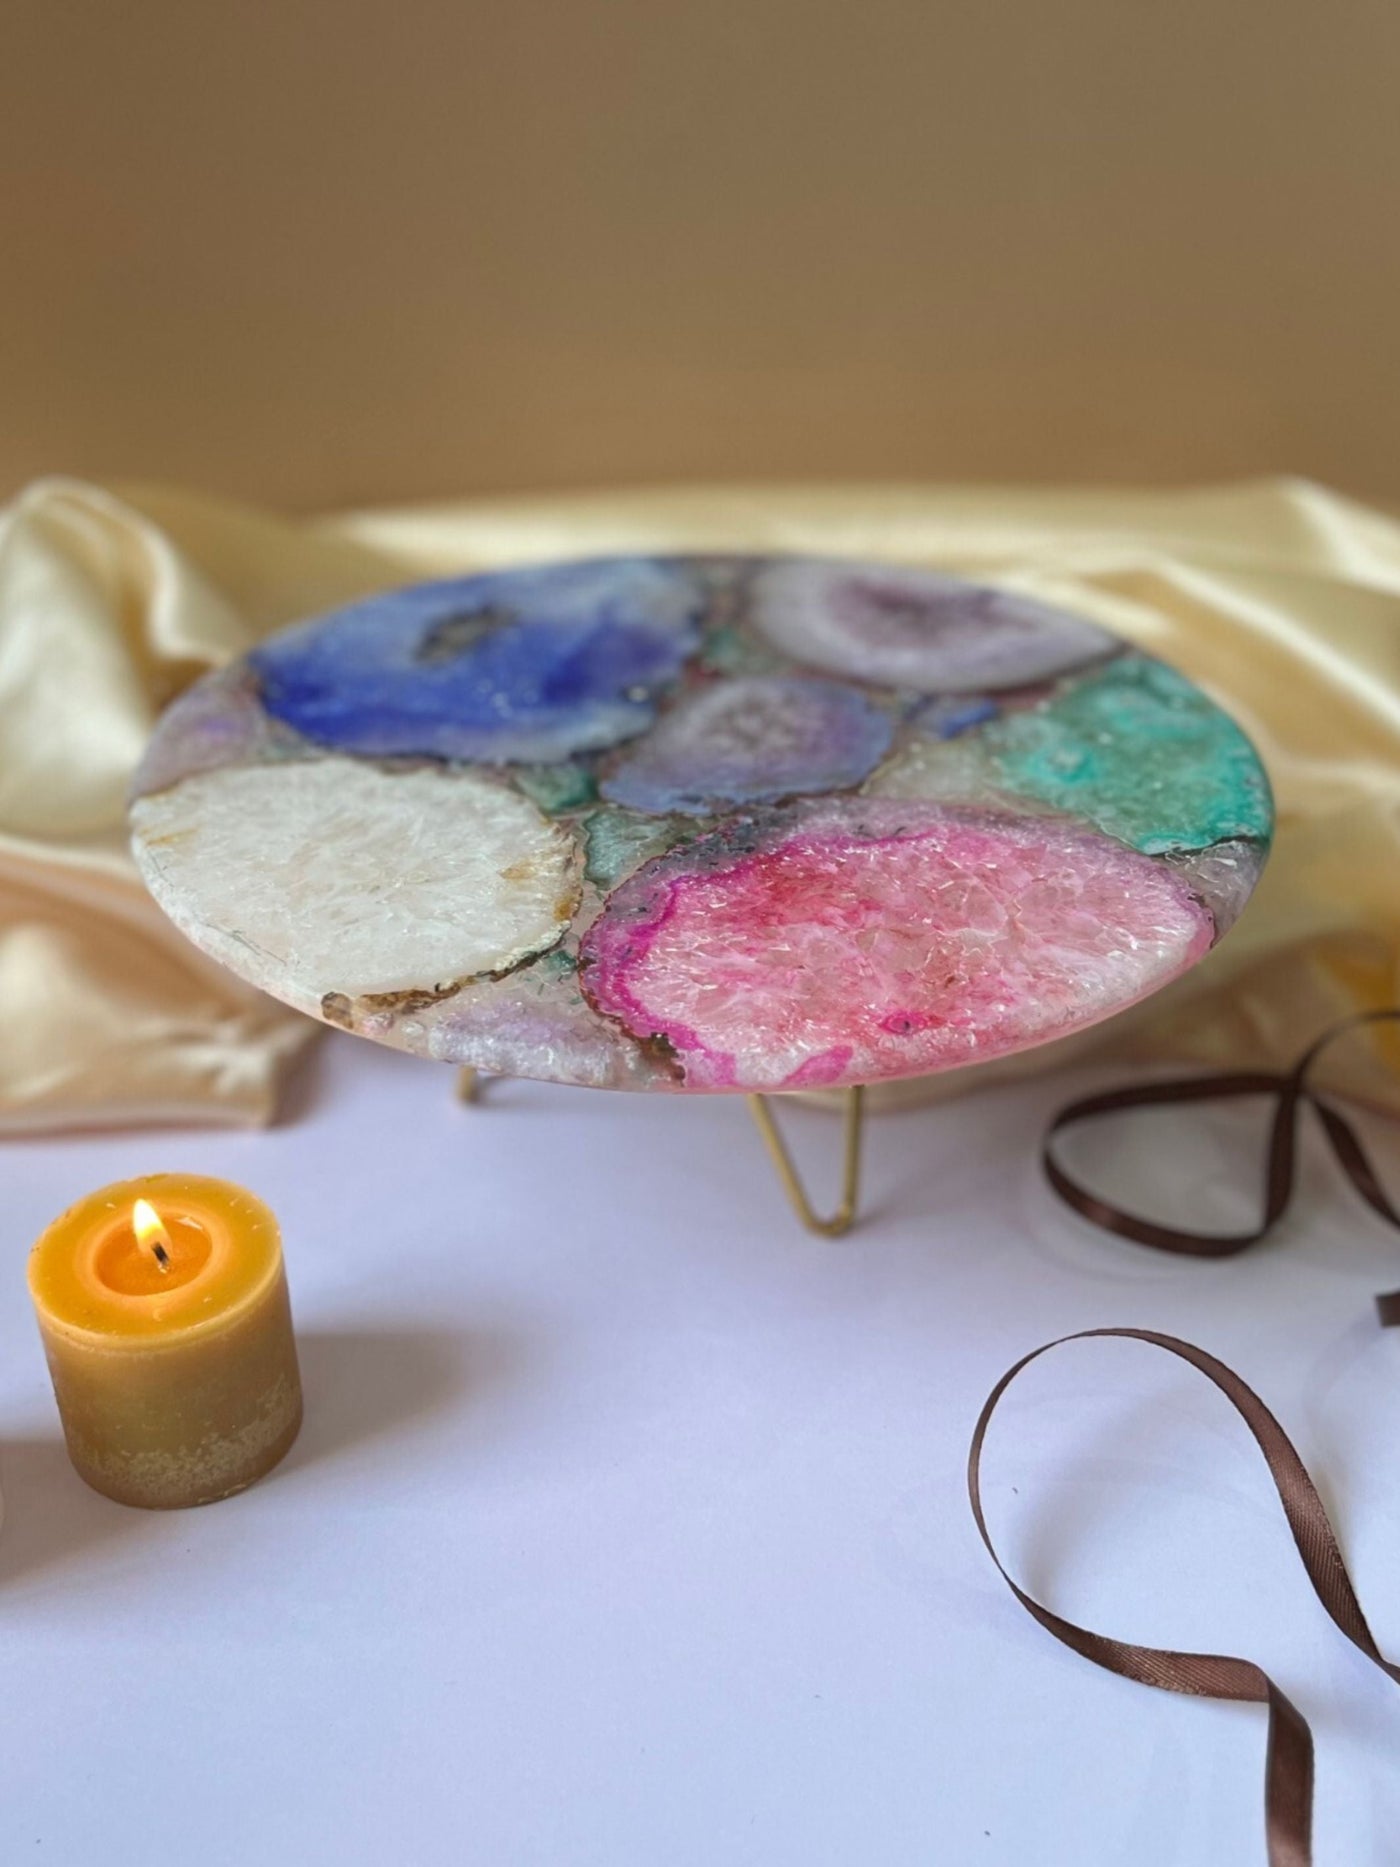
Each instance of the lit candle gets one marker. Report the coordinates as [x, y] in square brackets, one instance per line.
[163, 1307]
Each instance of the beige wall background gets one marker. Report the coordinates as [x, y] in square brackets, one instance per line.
[319, 254]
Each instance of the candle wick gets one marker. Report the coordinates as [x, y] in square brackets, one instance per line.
[151, 1234]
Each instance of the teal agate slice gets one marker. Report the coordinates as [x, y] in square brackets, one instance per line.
[1143, 754]
[1132, 748]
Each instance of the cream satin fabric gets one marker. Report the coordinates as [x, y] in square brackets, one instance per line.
[1282, 599]
[106, 1014]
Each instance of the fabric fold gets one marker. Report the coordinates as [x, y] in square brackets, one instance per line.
[109, 1016]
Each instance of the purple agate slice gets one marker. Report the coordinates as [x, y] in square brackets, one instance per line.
[916, 629]
[750, 741]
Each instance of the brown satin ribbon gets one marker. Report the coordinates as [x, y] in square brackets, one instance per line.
[1293, 1091]
[1288, 1770]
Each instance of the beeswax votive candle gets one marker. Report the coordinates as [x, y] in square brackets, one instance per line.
[163, 1307]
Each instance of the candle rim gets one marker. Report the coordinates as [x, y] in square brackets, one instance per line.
[161, 1319]
[99, 1240]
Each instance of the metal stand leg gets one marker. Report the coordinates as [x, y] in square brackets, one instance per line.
[469, 1086]
[845, 1214]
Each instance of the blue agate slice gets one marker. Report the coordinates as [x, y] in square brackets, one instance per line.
[519, 666]
[948, 715]
[752, 740]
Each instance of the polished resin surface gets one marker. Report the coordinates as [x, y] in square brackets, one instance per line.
[702, 823]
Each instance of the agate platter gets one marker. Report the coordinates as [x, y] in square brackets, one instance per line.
[702, 823]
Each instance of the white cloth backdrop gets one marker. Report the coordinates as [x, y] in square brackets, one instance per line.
[628, 1527]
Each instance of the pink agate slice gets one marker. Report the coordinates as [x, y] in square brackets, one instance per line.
[852, 939]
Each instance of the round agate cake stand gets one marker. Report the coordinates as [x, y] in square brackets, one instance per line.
[703, 824]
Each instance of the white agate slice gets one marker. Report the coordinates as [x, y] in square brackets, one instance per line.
[917, 629]
[334, 877]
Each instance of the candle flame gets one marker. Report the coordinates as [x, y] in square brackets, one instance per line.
[150, 1232]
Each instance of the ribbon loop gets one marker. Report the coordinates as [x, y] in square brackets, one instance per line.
[1289, 1765]
[1292, 1090]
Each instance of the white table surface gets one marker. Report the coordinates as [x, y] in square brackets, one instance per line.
[628, 1526]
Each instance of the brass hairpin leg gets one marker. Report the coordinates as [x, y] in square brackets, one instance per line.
[468, 1083]
[845, 1214]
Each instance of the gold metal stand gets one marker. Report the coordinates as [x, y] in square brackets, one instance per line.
[840, 1221]
[844, 1216]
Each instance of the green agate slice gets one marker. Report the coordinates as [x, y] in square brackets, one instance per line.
[557, 788]
[619, 841]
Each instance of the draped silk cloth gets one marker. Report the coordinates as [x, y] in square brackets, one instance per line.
[1281, 598]
[107, 1015]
